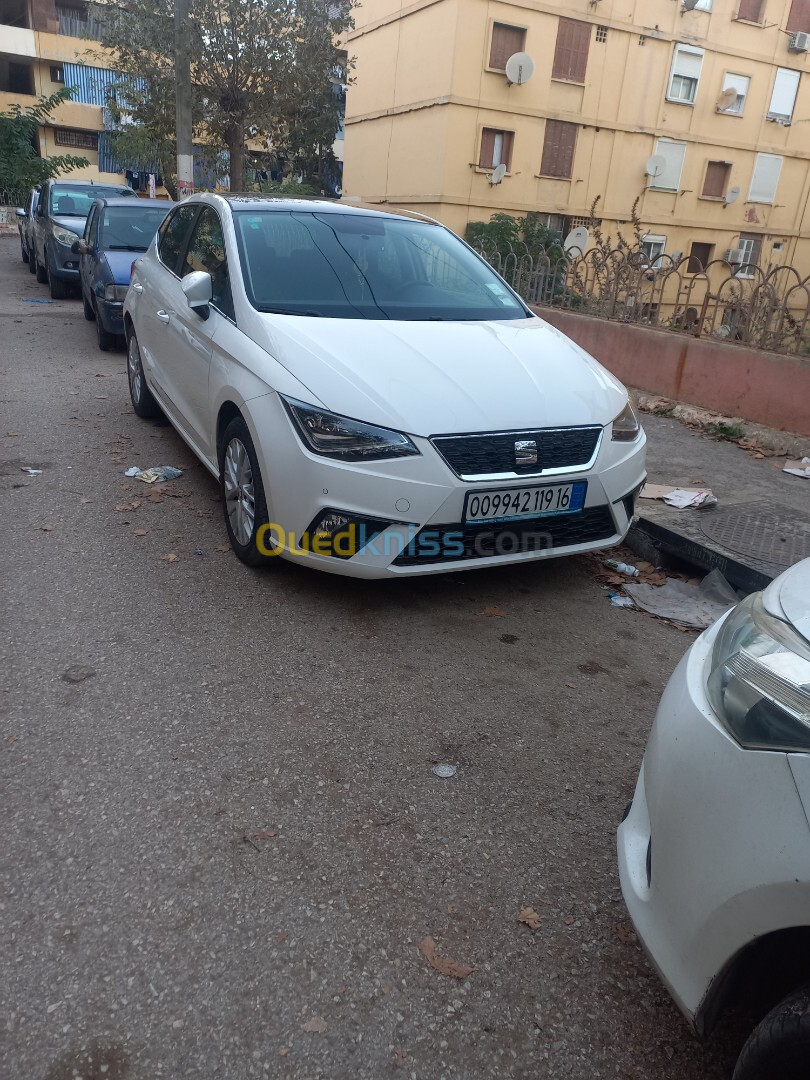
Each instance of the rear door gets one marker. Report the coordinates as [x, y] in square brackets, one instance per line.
[88, 262]
[162, 296]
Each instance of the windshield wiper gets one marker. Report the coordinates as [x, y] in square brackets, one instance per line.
[289, 311]
[127, 247]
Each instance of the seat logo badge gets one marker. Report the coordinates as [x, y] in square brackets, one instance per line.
[526, 452]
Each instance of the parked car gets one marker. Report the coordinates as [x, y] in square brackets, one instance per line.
[59, 221]
[373, 397]
[117, 230]
[25, 222]
[714, 851]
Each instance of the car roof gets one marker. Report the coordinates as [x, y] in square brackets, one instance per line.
[314, 204]
[127, 200]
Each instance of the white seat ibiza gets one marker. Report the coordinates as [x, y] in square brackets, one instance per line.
[371, 395]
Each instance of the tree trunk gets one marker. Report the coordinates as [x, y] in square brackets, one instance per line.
[236, 148]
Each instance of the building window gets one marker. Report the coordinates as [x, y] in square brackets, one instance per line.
[571, 50]
[799, 17]
[654, 248]
[601, 34]
[506, 41]
[673, 153]
[715, 183]
[703, 5]
[685, 74]
[765, 180]
[641, 39]
[783, 97]
[496, 148]
[87, 140]
[740, 83]
[558, 149]
[700, 255]
[750, 10]
[16, 78]
[751, 247]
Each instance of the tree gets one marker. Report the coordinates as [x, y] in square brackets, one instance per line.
[21, 166]
[262, 69]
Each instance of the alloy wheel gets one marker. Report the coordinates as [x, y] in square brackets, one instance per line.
[240, 500]
[134, 369]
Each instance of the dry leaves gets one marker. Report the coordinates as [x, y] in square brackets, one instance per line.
[154, 498]
[283, 1051]
[170, 558]
[126, 508]
[223, 547]
[101, 397]
[530, 917]
[493, 612]
[140, 532]
[624, 932]
[205, 513]
[84, 500]
[47, 527]
[316, 1024]
[441, 963]
[266, 835]
[399, 1058]
[571, 685]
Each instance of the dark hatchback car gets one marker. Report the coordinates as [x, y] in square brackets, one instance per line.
[117, 231]
[25, 224]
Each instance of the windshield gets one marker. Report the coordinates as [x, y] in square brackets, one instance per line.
[348, 266]
[131, 228]
[75, 201]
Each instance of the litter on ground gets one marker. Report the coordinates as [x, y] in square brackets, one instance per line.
[697, 606]
[680, 497]
[156, 475]
[798, 468]
[30, 471]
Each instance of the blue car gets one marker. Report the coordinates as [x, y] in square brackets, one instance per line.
[117, 231]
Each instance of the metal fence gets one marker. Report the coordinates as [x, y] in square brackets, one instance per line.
[743, 304]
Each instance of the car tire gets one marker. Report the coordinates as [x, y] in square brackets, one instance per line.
[59, 289]
[89, 313]
[780, 1045]
[23, 252]
[40, 271]
[143, 401]
[106, 340]
[243, 501]
[32, 263]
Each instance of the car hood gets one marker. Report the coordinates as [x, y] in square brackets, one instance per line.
[120, 264]
[431, 378]
[75, 224]
[791, 590]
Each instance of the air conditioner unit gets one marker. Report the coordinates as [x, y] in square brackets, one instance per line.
[57, 73]
[733, 256]
[799, 42]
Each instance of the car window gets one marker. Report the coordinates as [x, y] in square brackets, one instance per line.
[206, 252]
[76, 200]
[352, 266]
[130, 228]
[92, 227]
[173, 234]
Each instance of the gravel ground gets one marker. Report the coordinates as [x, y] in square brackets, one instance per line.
[223, 841]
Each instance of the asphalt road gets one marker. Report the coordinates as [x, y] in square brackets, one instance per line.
[222, 838]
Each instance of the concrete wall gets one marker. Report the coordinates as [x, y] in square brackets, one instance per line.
[765, 388]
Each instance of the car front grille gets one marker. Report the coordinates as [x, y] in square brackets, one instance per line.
[484, 455]
[456, 543]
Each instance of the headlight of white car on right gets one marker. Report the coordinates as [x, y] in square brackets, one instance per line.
[759, 684]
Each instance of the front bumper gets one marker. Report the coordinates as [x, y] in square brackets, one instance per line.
[63, 263]
[420, 501]
[715, 849]
[111, 314]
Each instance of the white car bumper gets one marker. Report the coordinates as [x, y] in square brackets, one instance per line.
[715, 849]
[419, 502]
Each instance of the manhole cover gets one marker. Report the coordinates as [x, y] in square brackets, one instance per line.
[774, 534]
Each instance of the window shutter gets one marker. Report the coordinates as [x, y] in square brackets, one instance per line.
[687, 62]
[799, 17]
[750, 10]
[487, 148]
[765, 180]
[785, 88]
[506, 41]
[558, 149]
[673, 154]
[714, 185]
[506, 154]
[571, 50]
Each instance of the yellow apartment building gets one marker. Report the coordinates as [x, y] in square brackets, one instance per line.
[700, 108]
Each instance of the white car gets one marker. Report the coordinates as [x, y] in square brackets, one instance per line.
[372, 396]
[714, 851]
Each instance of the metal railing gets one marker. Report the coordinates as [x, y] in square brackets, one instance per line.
[765, 309]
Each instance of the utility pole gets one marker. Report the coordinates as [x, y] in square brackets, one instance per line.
[185, 150]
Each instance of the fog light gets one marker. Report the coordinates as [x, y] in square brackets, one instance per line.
[341, 535]
[330, 523]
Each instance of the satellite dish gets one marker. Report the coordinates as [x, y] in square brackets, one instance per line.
[726, 99]
[732, 194]
[655, 165]
[519, 68]
[498, 173]
[576, 239]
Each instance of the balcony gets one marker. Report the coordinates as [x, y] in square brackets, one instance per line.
[16, 78]
[74, 21]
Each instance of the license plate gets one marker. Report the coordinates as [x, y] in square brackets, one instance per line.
[510, 504]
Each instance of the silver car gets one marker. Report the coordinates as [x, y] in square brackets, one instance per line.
[25, 224]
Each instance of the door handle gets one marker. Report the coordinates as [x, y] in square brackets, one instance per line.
[137, 288]
[164, 316]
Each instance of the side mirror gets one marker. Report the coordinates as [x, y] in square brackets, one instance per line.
[79, 247]
[198, 288]
[22, 213]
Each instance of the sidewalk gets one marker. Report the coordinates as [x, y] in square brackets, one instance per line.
[760, 526]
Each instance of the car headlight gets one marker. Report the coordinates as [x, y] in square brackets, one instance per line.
[625, 427]
[339, 437]
[759, 684]
[64, 236]
[115, 292]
